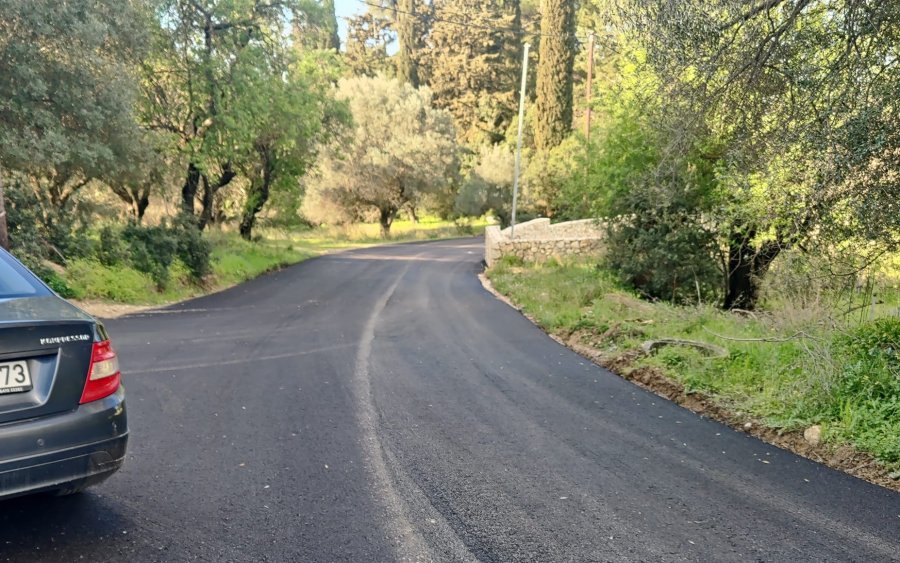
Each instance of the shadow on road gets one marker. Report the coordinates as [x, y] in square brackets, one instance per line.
[44, 524]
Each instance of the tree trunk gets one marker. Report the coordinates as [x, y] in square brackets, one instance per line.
[140, 204]
[256, 199]
[747, 265]
[259, 192]
[386, 219]
[210, 189]
[207, 200]
[189, 190]
[4, 231]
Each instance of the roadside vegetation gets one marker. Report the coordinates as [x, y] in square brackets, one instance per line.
[743, 161]
[793, 364]
[101, 274]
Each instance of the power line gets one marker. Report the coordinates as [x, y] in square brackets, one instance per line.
[472, 25]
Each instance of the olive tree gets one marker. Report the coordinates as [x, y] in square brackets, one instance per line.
[489, 185]
[67, 89]
[398, 149]
[796, 103]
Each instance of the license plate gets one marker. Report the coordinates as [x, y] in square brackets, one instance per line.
[14, 378]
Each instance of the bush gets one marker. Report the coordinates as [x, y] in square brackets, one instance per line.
[872, 353]
[153, 250]
[111, 250]
[192, 249]
[661, 247]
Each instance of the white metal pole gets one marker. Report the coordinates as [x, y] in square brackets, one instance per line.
[512, 233]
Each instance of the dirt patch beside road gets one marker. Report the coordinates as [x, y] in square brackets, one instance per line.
[105, 310]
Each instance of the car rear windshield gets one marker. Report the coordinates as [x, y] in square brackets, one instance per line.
[16, 281]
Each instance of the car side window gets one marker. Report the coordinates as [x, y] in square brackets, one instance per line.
[16, 281]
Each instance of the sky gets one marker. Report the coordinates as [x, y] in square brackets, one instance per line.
[345, 9]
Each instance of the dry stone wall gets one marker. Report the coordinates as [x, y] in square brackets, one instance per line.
[539, 240]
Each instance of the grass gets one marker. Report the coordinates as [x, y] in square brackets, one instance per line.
[235, 260]
[788, 368]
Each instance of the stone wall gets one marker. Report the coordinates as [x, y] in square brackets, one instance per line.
[539, 240]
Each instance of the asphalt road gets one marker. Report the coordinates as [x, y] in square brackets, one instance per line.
[380, 405]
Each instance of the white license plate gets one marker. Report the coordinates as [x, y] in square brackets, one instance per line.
[14, 378]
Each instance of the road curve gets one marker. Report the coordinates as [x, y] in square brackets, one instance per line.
[380, 405]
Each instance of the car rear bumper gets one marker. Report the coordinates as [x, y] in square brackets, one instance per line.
[74, 449]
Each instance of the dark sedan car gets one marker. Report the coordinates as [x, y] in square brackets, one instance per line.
[62, 406]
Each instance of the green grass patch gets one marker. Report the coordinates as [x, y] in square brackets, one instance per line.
[789, 369]
[235, 260]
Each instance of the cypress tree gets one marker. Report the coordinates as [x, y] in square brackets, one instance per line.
[330, 38]
[408, 32]
[474, 69]
[554, 80]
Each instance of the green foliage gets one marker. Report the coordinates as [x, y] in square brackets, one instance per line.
[661, 241]
[193, 249]
[625, 153]
[547, 174]
[801, 104]
[872, 360]
[152, 251]
[58, 125]
[474, 70]
[239, 260]
[489, 185]
[329, 38]
[53, 280]
[211, 68]
[554, 76]
[57, 284]
[409, 33]
[38, 233]
[287, 115]
[120, 283]
[660, 246]
[112, 249]
[368, 35]
[399, 149]
[787, 367]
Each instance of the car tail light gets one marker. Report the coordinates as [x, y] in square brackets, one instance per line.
[104, 377]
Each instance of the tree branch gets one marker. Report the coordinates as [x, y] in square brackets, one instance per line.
[752, 13]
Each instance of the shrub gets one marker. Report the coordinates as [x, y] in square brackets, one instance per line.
[153, 250]
[872, 353]
[192, 249]
[661, 247]
[111, 250]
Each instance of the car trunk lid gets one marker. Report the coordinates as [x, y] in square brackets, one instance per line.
[54, 340]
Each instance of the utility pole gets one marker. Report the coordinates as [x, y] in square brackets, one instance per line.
[512, 223]
[590, 88]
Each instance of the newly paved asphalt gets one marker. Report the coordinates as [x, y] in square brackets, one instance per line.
[379, 405]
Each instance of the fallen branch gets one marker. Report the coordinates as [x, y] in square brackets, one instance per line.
[651, 346]
[799, 334]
